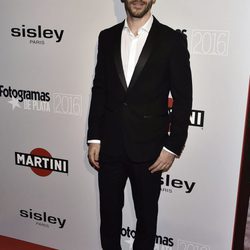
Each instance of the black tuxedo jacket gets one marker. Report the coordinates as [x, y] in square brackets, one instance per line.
[136, 118]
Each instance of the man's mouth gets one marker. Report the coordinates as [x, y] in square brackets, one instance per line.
[137, 4]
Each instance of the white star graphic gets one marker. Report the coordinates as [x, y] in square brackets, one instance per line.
[130, 242]
[14, 102]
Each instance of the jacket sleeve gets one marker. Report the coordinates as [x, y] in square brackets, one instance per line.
[96, 112]
[181, 90]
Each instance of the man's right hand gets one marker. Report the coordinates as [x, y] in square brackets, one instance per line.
[93, 155]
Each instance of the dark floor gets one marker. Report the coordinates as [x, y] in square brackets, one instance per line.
[13, 244]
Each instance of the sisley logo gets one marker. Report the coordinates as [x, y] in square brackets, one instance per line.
[42, 219]
[170, 183]
[38, 33]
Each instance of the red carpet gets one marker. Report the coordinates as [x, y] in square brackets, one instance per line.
[13, 244]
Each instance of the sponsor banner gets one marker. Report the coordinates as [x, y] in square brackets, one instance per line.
[48, 57]
[161, 242]
[41, 162]
[41, 101]
[196, 118]
[170, 185]
[43, 219]
[37, 34]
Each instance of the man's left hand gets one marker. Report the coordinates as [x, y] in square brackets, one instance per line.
[163, 162]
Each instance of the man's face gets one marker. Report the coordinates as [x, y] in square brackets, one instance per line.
[138, 8]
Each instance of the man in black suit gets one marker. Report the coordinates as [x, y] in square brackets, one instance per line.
[140, 61]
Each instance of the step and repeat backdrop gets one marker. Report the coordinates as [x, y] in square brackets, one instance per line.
[48, 191]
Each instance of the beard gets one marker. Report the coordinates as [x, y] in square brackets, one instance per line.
[137, 8]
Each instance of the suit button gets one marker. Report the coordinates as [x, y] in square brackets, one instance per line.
[125, 104]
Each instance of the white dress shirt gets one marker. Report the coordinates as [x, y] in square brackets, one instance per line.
[131, 48]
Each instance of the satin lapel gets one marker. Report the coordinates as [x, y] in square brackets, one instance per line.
[117, 57]
[146, 52]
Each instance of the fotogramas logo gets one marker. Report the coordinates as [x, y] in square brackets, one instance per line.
[40, 101]
[43, 218]
[26, 99]
[161, 242]
[37, 34]
[196, 118]
[41, 162]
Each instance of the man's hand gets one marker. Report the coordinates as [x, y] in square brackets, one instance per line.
[93, 155]
[163, 162]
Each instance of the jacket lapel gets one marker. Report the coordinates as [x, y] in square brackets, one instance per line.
[118, 58]
[145, 54]
[143, 58]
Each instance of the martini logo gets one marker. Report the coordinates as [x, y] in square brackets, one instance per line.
[161, 242]
[41, 162]
[168, 184]
[42, 218]
[37, 33]
[196, 118]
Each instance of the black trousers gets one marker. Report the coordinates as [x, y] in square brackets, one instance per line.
[113, 174]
